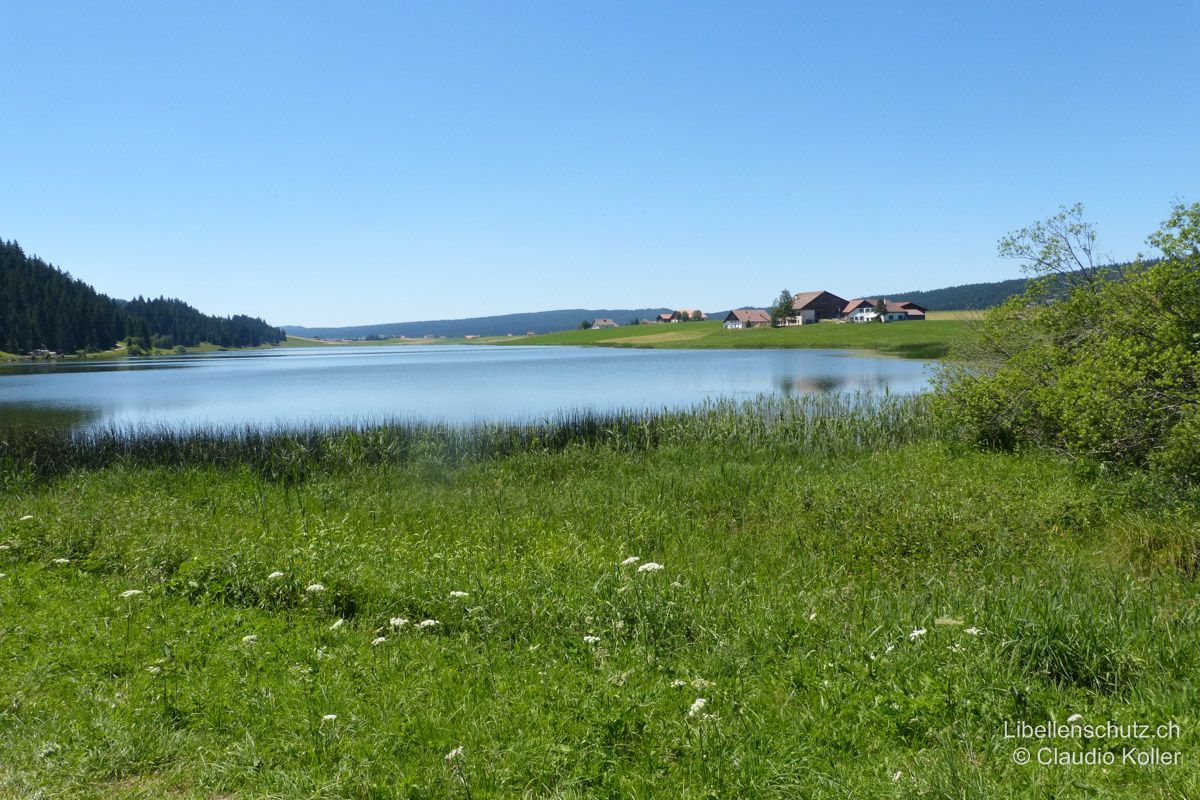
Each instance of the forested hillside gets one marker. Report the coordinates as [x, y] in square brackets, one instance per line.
[537, 321]
[978, 296]
[970, 296]
[43, 307]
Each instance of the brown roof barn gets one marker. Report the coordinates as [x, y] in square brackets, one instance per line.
[825, 305]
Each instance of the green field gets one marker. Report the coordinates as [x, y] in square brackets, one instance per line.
[860, 602]
[928, 339]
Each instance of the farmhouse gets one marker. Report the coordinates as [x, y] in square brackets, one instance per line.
[681, 315]
[867, 310]
[747, 318]
[604, 322]
[810, 307]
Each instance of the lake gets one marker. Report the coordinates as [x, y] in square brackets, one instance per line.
[427, 383]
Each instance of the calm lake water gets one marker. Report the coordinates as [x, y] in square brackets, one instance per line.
[447, 383]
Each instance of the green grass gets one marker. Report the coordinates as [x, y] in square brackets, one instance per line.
[928, 339]
[802, 546]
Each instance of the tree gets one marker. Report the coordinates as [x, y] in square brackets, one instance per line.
[783, 308]
[880, 310]
[587, 323]
[1059, 249]
[1091, 361]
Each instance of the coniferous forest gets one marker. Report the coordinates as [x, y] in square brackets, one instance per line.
[43, 307]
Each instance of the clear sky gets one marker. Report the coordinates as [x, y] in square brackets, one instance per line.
[349, 162]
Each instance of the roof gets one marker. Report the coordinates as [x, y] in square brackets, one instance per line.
[749, 315]
[906, 306]
[602, 321]
[804, 299]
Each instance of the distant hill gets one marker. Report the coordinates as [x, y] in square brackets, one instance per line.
[978, 296]
[969, 296]
[516, 324]
[44, 308]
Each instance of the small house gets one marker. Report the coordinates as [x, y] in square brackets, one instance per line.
[604, 322]
[746, 318]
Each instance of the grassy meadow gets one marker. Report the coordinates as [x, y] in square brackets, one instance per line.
[815, 598]
[928, 339]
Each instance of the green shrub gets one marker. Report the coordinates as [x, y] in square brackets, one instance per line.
[1091, 361]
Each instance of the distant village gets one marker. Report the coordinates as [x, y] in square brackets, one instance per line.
[806, 308]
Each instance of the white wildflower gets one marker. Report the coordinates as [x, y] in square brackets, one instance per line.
[973, 631]
[456, 754]
[154, 669]
[397, 622]
[630, 560]
[697, 707]
[428, 623]
[314, 588]
[889, 649]
[250, 639]
[676, 585]
[128, 593]
[329, 718]
[812, 616]
[339, 623]
[917, 634]
[591, 639]
[274, 576]
[700, 683]
[62, 561]
[456, 595]
[378, 640]
[650, 566]
[678, 682]
[1074, 718]
[897, 775]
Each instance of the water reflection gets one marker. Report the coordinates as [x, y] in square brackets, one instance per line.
[29, 416]
[446, 383]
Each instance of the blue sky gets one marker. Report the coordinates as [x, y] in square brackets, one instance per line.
[357, 162]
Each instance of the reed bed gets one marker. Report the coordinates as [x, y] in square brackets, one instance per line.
[831, 424]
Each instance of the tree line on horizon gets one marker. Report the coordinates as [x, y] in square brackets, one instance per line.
[44, 308]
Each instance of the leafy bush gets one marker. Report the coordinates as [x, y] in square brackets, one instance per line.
[1091, 360]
